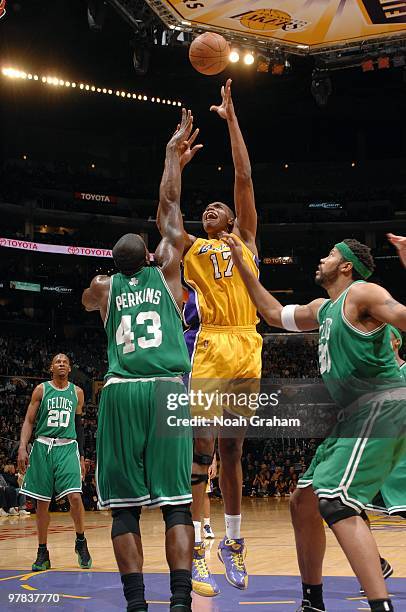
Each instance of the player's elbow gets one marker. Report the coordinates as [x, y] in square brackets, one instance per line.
[272, 316]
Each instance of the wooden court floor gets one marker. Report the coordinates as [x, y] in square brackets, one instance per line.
[266, 528]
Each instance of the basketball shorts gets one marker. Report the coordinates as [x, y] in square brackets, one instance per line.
[355, 468]
[391, 499]
[52, 469]
[226, 370]
[144, 454]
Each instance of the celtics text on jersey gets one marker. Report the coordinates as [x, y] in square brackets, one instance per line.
[56, 413]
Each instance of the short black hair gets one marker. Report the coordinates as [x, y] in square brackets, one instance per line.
[129, 254]
[363, 252]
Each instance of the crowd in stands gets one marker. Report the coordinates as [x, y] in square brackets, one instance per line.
[270, 467]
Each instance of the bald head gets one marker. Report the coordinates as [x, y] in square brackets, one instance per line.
[130, 254]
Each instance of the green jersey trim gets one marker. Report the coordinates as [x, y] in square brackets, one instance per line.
[178, 310]
[106, 318]
[355, 329]
[320, 307]
[51, 384]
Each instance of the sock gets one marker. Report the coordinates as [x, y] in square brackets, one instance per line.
[206, 521]
[198, 531]
[134, 592]
[314, 594]
[80, 536]
[181, 588]
[233, 526]
[380, 605]
[42, 546]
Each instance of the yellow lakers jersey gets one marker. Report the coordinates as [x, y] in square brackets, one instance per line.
[217, 293]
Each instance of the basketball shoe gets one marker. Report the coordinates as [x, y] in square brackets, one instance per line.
[203, 582]
[232, 554]
[84, 558]
[42, 561]
[208, 532]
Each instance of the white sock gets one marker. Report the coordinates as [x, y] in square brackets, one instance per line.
[198, 531]
[206, 521]
[233, 526]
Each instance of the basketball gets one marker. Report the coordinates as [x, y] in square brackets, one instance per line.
[209, 53]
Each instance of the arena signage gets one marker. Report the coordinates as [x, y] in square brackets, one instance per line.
[95, 197]
[25, 286]
[26, 245]
[297, 23]
[57, 289]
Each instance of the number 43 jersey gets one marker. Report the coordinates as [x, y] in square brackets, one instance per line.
[56, 414]
[144, 327]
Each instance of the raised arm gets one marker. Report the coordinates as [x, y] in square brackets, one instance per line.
[28, 426]
[186, 151]
[400, 243]
[292, 318]
[244, 200]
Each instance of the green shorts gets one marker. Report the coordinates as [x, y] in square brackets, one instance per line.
[391, 499]
[52, 470]
[355, 468]
[141, 460]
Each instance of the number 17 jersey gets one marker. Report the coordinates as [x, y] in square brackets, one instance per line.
[144, 327]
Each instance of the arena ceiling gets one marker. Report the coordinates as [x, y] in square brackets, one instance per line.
[301, 26]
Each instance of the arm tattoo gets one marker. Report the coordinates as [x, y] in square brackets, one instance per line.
[391, 304]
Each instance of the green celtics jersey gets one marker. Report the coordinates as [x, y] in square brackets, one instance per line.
[144, 327]
[403, 370]
[56, 413]
[352, 362]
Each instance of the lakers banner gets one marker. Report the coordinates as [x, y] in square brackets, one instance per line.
[298, 22]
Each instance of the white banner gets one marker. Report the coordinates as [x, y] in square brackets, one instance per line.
[14, 243]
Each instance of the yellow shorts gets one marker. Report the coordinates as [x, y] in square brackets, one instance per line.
[226, 369]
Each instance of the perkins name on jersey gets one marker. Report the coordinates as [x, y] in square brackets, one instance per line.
[129, 300]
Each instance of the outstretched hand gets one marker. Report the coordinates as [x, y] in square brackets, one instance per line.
[226, 108]
[183, 139]
[400, 243]
[183, 130]
[235, 248]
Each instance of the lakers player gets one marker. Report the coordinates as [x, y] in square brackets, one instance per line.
[56, 463]
[224, 347]
[361, 373]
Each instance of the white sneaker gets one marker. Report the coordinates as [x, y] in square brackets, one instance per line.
[13, 512]
[24, 513]
[3, 512]
[208, 532]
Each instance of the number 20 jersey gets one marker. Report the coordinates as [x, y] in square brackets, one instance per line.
[217, 293]
[56, 413]
[144, 327]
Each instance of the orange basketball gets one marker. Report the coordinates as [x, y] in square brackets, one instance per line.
[209, 53]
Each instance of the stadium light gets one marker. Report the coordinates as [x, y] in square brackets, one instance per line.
[249, 58]
[12, 73]
[234, 56]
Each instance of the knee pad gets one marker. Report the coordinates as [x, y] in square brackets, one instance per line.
[125, 520]
[176, 515]
[333, 510]
[201, 460]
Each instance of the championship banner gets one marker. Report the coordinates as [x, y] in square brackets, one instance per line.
[296, 22]
[95, 197]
